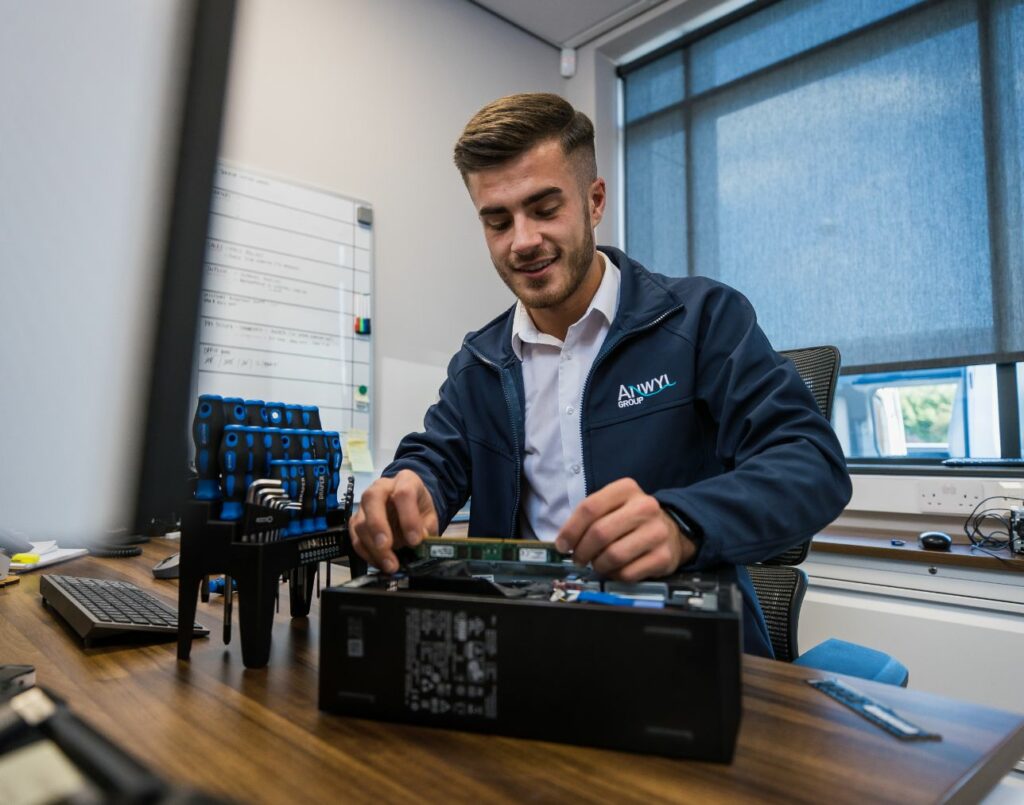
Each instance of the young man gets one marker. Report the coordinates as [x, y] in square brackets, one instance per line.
[643, 423]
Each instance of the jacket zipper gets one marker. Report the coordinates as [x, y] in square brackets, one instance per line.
[515, 436]
[586, 381]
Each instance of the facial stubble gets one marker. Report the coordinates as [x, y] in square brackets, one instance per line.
[576, 262]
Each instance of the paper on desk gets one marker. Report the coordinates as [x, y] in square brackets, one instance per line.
[357, 448]
[49, 554]
[43, 548]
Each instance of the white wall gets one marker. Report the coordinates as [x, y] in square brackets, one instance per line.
[367, 99]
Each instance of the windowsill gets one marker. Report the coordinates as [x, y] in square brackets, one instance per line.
[900, 468]
[959, 555]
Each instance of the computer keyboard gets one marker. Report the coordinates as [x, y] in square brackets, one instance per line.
[100, 608]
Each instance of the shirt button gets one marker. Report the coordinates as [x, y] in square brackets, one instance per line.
[570, 410]
[575, 469]
[567, 355]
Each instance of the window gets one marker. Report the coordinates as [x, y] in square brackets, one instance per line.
[855, 168]
[925, 414]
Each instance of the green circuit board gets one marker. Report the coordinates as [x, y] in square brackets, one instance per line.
[491, 550]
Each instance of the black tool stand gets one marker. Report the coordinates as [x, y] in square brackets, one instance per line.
[211, 546]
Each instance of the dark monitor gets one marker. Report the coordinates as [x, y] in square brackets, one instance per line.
[108, 140]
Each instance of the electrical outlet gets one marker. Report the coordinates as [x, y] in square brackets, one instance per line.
[949, 496]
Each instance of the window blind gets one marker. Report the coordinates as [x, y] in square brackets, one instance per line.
[852, 166]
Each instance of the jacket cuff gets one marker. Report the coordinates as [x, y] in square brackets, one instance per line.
[689, 529]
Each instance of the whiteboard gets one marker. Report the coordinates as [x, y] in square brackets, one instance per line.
[288, 268]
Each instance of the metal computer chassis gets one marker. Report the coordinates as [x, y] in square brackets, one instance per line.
[662, 681]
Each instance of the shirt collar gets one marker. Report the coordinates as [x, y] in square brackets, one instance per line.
[605, 303]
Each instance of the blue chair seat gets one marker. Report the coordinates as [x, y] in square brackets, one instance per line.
[840, 657]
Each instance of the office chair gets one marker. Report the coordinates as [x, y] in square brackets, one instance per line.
[780, 586]
[780, 591]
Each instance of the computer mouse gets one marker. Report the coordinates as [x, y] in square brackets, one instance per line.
[11, 542]
[935, 540]
[167, 568]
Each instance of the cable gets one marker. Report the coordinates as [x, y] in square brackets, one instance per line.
[995, 539]
[115, 551]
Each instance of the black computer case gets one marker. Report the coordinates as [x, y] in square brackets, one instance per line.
[663, 681]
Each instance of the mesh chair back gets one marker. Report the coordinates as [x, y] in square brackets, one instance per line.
[780, 590]
[818, 367]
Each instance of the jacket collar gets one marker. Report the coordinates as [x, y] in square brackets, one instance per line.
[643, 297]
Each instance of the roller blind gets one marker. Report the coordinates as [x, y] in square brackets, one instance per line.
[852, 166]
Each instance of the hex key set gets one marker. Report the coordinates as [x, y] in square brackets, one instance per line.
[254, 552]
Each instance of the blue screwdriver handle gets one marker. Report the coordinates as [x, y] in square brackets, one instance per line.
[234, 457]
[322, 478]
[235, 412]
[293, 416]
[256, 464]
[207, 425]
[307, 444]
[334, 457]
[256, 413]
[289, 444]
[275, 414]
[308, 496]
[311, 417]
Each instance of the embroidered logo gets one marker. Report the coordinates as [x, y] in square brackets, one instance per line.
[636, 393]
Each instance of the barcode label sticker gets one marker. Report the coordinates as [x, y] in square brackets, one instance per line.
[442, 551]
[533, 555]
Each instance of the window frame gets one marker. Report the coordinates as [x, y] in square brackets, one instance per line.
[1011, 436]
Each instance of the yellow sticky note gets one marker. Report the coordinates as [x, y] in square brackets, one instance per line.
[25, 558]
[357, 450]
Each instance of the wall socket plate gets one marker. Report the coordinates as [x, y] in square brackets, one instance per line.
[949, 496]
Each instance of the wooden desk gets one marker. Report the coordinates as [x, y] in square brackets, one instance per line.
[257, 736]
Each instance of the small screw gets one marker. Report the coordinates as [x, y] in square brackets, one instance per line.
[933, 570]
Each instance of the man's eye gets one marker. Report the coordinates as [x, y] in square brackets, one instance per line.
[497, 226]
[547, 212]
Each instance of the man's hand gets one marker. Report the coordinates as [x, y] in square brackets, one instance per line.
[625, 534]
[393, 512]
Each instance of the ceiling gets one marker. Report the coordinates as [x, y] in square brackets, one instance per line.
[567, 23]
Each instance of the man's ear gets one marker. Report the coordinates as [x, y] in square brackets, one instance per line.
[597, 195]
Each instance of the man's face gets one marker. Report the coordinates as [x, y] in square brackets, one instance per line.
[538, 223]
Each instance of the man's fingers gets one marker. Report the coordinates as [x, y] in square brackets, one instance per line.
[431, 525]
[393, 512]
[353, 526]
[613, 526]
[591, 509]
[406, 500]
[626, 550]
[655, 549]
[372, 529]
[651, 565]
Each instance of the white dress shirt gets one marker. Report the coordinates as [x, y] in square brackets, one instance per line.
[553, 375]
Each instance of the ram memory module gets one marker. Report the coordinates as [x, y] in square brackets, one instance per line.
[492, 550]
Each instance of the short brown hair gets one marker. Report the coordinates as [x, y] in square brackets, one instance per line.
[512, 125]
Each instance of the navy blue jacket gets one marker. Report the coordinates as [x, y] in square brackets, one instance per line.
[686, 396]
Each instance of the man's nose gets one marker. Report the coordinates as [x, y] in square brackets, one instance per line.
[526, 237]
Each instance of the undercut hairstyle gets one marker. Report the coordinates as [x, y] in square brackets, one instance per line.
[511, 126]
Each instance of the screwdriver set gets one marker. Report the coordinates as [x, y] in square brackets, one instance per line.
[266, 507]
